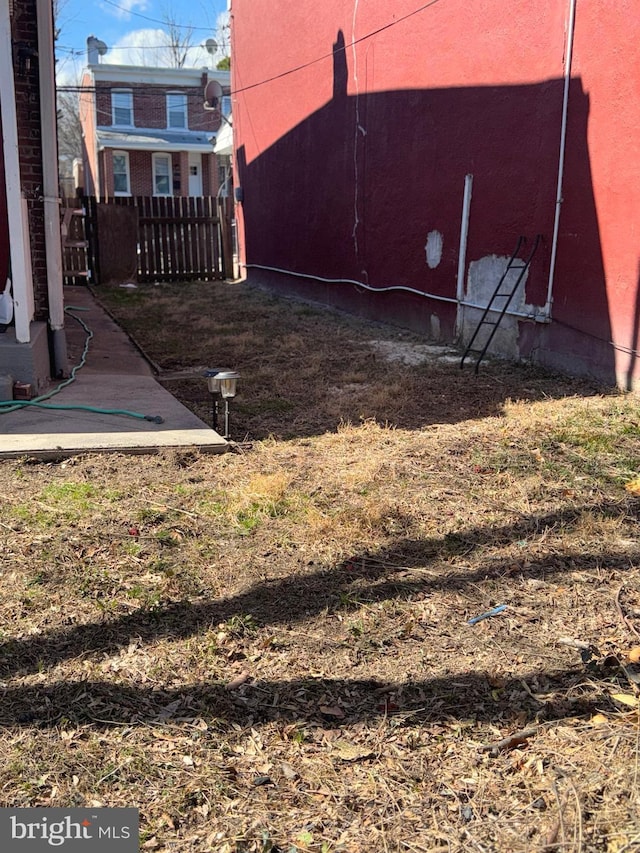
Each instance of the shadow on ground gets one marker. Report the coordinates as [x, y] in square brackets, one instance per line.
[392, 573]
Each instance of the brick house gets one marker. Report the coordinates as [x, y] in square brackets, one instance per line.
[33, 346]
[146, 130]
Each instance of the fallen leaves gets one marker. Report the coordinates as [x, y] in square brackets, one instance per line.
[633, 655]
[332, 711]
[633, 486]
[240, 679]
[627, 699]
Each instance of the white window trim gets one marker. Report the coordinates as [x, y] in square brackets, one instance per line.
[125, 154]
[113, 107]
[185, 111]
[154, 160]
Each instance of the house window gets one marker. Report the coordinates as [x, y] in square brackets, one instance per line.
[177, 110]
[121, 174]
[162, 183]
[225, 105]
[122, 108]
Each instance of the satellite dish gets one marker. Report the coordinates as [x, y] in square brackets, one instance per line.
[211, 46]
[212, 94]
[101, 47]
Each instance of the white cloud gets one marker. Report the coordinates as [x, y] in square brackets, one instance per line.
[124, 8]
[152, 47]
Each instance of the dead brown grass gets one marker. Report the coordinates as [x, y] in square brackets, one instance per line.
[269, 650]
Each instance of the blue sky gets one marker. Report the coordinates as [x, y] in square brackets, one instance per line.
[134, 31]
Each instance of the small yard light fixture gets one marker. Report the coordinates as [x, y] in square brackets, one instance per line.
[221, 382]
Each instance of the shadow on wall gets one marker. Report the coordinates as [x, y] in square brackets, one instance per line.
[354, 191]
[635, 336]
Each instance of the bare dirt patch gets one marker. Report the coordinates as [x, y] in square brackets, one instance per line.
[271, 650]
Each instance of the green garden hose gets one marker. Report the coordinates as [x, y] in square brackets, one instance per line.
[12, 406]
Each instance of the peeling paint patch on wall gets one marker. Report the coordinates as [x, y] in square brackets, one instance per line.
[433, 249]
[482, 280]
[434, 324]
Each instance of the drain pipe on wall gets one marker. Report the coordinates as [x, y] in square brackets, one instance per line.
[462, 254]
[50, 191]
[563, 141]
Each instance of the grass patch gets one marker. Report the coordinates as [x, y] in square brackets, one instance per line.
[270, 650]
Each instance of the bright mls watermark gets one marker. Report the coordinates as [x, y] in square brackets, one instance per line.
[36, 830]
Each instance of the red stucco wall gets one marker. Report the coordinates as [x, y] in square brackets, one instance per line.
[349, 162]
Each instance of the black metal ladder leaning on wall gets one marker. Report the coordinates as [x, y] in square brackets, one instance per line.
[493, 306]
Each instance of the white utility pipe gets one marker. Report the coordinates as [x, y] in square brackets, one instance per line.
[462, 254]
[50, 191]
[563, 140]
[387, 289]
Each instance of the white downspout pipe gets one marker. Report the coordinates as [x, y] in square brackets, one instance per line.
[50, 190]
[19, 246]
[462, 254]
[563, 140]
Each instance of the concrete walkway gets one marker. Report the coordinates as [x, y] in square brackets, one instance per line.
[115, 376]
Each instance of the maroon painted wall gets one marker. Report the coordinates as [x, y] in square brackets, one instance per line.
[347, 163]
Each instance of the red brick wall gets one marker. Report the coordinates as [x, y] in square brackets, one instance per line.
[150, 111]
[140, 169]
[24, 34]
[141, 173]
[150, 106]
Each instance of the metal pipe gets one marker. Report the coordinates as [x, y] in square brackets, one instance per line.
[462, 254]
[226, 419]
[563, 140]
[534, 316]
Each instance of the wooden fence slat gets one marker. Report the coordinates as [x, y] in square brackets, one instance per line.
[214, 239]
[156, 267]
[180, 264]
[192, 244]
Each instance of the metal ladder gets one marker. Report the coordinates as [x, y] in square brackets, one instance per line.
[492, 305]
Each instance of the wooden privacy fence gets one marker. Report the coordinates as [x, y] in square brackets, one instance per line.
[158, 239]
[75, 246]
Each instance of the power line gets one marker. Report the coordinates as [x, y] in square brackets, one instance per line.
[155, 20]
[338, 50]
[74, 51]
[139, 93]
[319, 58]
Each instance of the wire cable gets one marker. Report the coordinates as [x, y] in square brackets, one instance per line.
[304, 65]
[155, 20]
[341, 49]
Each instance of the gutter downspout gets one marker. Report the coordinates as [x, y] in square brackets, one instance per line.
[50, 190]
[563, 140]
[462, 255]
